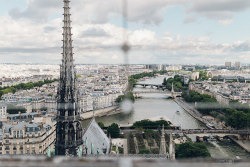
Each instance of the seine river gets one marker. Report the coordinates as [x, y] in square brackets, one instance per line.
[158, 105]
[154, 106]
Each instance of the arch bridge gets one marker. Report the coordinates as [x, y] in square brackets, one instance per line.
[240, 134]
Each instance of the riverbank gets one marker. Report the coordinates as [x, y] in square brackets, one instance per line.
[211, 124]
[102, 112]
[193, 112]
[242, 143]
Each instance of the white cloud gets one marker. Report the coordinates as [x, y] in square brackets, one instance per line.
[34, 34]
[145, 11]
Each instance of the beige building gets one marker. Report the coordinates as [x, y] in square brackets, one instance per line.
[237, 64]
[27, 138]
[195, 76]
[228, 64]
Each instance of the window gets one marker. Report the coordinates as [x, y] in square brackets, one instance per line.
[7, 148]
[14, 148]
[21, 133]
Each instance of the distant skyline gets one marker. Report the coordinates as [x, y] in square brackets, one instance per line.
[160, 31]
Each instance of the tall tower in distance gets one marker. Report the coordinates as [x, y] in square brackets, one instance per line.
[68, 128]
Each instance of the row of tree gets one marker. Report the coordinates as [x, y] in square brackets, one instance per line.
[24, 86]
[147, 124]
[192, 96]
[129, 96]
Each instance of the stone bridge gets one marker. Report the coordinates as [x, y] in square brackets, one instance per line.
[240, 134]
[158, 86]
[210, 131]
[172, 94]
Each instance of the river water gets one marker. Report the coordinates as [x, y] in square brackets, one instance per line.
[154, 106]
[158, 105]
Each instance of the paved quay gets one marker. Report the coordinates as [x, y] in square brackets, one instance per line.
[245, 144]
[101, 112]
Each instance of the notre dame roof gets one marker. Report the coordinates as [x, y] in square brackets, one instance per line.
[95, 140]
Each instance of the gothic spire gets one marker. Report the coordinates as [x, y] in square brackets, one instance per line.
[68, 128]
[67, 75]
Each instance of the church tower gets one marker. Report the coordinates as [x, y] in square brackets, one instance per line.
[172, 91]
[68, 128]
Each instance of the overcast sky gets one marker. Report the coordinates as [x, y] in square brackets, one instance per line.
[159, 31]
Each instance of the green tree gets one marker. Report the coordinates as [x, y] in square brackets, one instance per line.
[147, 124]
[203, 75]
[114, 130]
[144, 151]
[164, 81]
[237, 119]
[129, 95]
[101, 124]
[214, 114]
[191, 150]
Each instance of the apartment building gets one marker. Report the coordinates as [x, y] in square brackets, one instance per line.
[27, 137]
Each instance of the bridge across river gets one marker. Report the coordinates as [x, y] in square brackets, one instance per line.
[210, 131]
[158, 86]
[160, 89]
[197, 131]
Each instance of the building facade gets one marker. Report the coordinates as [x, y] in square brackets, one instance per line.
[26, 138]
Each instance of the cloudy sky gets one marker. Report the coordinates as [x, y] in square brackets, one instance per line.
[159, 31]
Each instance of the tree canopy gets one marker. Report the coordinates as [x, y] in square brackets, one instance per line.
[114, 130]
[24, 86]
[147, 124]
[129, 96]
[191, 150]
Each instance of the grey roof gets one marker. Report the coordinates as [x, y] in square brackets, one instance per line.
[3, 105]
[24, 114]
[31, 127]
[97, 138]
